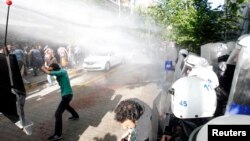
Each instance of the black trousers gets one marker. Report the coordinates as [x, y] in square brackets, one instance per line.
[64, 104]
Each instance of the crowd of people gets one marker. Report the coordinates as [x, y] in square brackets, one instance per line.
[32, 56]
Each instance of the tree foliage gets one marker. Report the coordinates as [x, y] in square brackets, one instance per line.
[192, 23]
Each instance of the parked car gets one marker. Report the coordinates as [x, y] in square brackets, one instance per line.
[102, 61]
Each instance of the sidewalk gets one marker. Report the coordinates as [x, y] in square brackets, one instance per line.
[41, 79]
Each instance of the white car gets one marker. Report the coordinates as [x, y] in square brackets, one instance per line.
[101, 61]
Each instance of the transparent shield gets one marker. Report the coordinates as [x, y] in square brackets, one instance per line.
[213, 51]
[239, 98]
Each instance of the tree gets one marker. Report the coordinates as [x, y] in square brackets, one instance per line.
[192, 23]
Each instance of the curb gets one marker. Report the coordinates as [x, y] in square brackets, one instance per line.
[72, 74]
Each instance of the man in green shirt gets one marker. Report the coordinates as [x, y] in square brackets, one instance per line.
[66, 93]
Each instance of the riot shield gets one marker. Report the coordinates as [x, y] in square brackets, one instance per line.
[212, 51]
[239, 99]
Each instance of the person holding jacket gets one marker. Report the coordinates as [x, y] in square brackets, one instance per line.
[66, 93]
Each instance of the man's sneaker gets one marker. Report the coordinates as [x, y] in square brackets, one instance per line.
[73, 118]
[55, 137]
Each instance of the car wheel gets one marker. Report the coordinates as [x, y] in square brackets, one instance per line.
[107, 66]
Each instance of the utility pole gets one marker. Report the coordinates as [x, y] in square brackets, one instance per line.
[9, 3]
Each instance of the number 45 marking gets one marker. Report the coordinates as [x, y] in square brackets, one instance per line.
[183, 103]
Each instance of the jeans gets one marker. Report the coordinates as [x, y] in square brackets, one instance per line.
[64, 104]
[50, 79]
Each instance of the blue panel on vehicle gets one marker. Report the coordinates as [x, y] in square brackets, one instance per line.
[239, 109]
